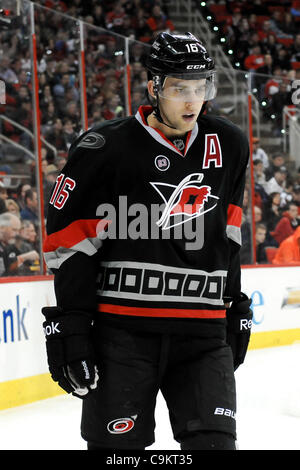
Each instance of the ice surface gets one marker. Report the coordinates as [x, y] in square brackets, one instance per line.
[268, 417]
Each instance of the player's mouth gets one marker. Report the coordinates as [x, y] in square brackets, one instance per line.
[188, 117]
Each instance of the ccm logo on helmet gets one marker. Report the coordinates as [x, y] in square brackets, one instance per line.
[197, 66]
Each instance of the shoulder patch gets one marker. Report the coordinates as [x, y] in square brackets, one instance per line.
[92, 141]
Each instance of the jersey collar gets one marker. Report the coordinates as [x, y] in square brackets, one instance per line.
[141, 115]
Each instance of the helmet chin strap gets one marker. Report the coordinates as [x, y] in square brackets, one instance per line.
[156, 109]
[158, 115]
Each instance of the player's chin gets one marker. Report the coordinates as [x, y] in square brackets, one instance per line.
[188, 121]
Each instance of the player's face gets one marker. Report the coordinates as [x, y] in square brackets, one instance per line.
[181, 101]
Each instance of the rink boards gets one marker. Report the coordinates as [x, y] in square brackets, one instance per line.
[24, 377]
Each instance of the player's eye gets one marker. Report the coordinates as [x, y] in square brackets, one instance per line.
[178, 90]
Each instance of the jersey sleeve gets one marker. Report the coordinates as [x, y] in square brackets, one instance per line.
[73, 240]
[234, 222]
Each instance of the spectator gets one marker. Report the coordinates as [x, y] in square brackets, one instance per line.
[260, 238]
[289, 250]
[9, 228]
[7, 73]
[113, 109]
[288, 24]
[245, 252]
[12, 207]
[51, 174]
[258, 171]
[65, 91]
[261, 198]
[22, 95]
[136, 100]
[275, 25]
[258, 153]
[30, 211]
[272, 85]
[143, 31]
[295, 50]
[60, 163]
[21, 194]
[296, 197]
[56, 136]
[279, 100]
[137, 53]
[295, 8]
[258, 8]
[286, 195]
[3, 207]
[270, 46]
[246, 233]
[261, 75]
[266, 29]
[3, 192]
[69, 132]
[277, 182]
[27, 240]
[115, 18]
[46, 97]
[28, 257]
[99, 16]
[258, 215]
[278, 160]
[282, 59]
[72, 113]
[246, 206]
[254, 60]
[49, 116]
[158, 21]
[287, 224]
[10, 257]
[48, 182]
[272, 211]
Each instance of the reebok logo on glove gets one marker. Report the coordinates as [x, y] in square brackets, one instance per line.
[51, 329]
[86, 370]
[245, 324]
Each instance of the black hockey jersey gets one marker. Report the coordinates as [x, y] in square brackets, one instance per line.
[142, 227]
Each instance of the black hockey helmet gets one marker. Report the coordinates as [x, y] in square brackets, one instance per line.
[181, 56]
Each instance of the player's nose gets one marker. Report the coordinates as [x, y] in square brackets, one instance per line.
[189, 105]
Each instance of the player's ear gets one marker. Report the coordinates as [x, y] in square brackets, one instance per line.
[150, 88]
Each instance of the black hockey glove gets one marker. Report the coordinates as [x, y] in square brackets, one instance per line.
[69, 351]
[239, 323]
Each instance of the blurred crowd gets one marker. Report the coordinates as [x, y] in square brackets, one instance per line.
[58, 46]
[263, 37]
[57, 38]
[276, 207]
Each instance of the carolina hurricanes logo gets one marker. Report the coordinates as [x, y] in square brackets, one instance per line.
[184, 201]
[121, 425]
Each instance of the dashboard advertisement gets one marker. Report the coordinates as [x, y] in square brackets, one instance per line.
[24, 375]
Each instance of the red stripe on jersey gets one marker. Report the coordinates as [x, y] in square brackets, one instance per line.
[145, 111]
[187, 141]
[74, 233]
[234, 215]
[161, 312]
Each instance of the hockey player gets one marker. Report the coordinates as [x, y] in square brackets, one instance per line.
[143, 238]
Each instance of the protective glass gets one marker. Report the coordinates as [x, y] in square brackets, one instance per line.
[187, 90]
